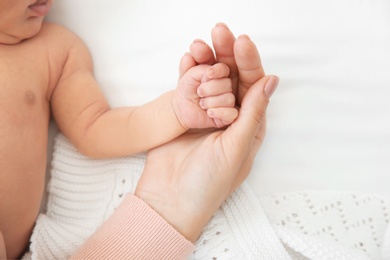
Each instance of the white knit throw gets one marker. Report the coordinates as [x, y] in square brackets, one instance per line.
[82, 193]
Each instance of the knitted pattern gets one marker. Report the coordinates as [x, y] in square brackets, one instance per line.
[83, 193]
[317, 220]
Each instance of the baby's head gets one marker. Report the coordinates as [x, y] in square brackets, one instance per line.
[21, 19]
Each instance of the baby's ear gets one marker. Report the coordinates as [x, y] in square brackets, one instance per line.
[186, 63]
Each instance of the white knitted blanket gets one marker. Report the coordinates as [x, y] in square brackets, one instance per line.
[82, 193]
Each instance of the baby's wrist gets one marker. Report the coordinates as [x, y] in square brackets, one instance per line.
[177, 113]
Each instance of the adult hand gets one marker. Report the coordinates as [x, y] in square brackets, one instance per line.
[188, 179]
[239, 55]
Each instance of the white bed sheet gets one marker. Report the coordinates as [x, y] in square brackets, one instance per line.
[328, 122]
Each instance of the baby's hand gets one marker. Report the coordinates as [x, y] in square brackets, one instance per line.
[203, 97]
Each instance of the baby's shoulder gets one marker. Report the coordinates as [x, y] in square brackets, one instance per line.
[65, 51]
[57, 33]
[63, 45]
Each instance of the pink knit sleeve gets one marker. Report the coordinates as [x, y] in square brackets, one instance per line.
[135, 231]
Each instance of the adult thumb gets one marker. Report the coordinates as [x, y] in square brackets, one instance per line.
[253, 109]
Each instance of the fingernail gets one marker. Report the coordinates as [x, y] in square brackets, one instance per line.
[210, 72]
[271, 86]
[201, 104]
[199, 91]
[199, 40]
[244, 36]
[210, 113]
[222, 24]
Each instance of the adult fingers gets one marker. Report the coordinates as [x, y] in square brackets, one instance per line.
[249, 66]
[186, 63]
[202, 52]
[246, 166]
[243, 134]
[223, 43]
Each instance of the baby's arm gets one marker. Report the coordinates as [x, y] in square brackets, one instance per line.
[85, 117]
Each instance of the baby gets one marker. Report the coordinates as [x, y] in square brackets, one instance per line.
[47, 70]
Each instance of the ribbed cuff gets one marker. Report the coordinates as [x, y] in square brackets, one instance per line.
[135, 231]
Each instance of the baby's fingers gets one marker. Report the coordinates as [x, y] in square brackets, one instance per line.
[215, 87]
[223, 116]
[224, 100]
[217, 71]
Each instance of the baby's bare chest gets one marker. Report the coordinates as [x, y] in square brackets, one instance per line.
[24, 109]
[28, 74]
[24, 118]
[24, 82]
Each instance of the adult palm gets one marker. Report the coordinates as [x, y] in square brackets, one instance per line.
[187, 179]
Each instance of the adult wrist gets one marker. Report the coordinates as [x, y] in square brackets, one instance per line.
[188, 225]
[135, 231]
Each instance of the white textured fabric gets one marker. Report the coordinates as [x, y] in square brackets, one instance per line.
[386, 245]
[82, 194]
[301, 225]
